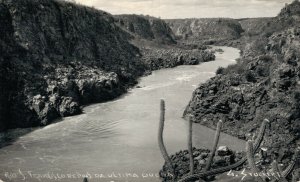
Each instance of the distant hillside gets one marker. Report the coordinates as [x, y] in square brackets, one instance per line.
[252, 26]
[147, 27]
[207, 30]
[287, 18]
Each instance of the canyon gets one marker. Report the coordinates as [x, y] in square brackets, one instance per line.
[57, 57]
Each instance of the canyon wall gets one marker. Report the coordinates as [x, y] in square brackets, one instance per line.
[147, 27]
[263, 84]
[57, 56]
[207, 30]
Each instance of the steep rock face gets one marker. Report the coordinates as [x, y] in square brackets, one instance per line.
[56, 56]
[206, 29]
[147, 27]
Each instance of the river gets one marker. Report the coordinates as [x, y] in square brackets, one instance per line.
[117, 140]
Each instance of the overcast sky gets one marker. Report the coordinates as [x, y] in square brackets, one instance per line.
[191, 8]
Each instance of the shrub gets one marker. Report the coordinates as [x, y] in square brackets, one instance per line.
[262, 71]
[220, 71]
[236, 68]
[297, 99]
[265, 58]
[250, 76]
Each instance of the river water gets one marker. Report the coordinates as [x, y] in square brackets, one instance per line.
[117, 140]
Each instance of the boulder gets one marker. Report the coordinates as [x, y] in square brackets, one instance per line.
[223, 151]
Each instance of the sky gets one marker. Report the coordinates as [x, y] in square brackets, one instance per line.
[169, 9]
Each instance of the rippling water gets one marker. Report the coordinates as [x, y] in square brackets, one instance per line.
[117, 140]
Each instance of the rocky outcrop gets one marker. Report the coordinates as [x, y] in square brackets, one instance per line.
[206, 30]
[56, 56]
[146, 27]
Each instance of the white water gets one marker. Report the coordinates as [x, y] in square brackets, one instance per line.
[119, 136]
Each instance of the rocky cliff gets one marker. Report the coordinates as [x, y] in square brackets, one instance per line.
[146, 27]
[263, 84]
[207, 30]
[57, 56]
